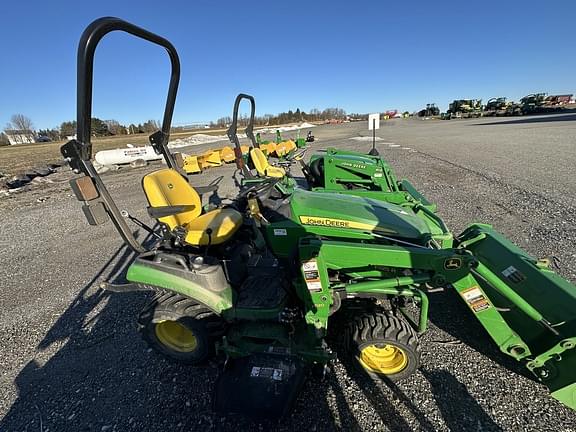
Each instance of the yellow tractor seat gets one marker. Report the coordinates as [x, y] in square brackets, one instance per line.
[222, 222]
[290, 145]
[177, 204]
[270, 147]
[262, 165]
[227, 154]
[281, 149]
[276, 172]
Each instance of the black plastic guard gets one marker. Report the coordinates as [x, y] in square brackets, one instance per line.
[260, 386]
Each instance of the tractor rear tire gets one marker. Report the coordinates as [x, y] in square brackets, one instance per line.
[180, 328]
[383, 346]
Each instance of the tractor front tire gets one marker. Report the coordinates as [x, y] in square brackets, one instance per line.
[383, 346]
[180, 328]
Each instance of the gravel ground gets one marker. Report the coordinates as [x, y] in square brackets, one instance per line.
[71, 359]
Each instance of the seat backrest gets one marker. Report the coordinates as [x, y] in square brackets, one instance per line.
[166, 187]
[259, 160]
[271, 147]
[281, 149]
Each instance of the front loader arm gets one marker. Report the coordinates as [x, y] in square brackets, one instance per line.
[441, 265]
[367, 265]
[527, 309]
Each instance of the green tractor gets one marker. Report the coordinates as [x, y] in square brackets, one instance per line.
[256, 166]
[330, 170]
[431, 110]
[465, 108]
[260, 282]
[501, 107]
[534, 103]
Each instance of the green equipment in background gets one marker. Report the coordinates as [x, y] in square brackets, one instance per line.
[501, 107]
[260, 141]
[431, 110]
[534, 104]
[465, 108]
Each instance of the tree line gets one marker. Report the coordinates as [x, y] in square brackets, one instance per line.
[284, 117]
[102, 128]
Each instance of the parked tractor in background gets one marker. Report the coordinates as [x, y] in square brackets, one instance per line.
[501, 107]
[558, 100]
[465, 108]
[542, 103]
[431, 110]
[533, 103]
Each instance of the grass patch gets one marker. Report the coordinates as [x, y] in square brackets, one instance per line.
[17, 159]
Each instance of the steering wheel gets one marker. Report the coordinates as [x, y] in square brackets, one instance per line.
[316, 172]
[306, 171]
[259, 189]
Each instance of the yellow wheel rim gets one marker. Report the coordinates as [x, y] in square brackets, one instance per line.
[386, 360]
[175, 336]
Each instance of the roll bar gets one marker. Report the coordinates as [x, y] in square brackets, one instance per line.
[85, 62]
[233, 129]
[79, 151]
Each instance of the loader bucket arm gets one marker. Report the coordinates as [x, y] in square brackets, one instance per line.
[527, 309]
[78, 152]
[233, 130]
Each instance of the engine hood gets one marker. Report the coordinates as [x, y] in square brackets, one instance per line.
[346, 156]
[339, 212]
[358, 159]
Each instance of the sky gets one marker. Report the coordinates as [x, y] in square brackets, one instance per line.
[360, 56]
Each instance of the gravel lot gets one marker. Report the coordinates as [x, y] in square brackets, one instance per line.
[71, 359]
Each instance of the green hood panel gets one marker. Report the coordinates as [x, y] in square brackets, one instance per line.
[348, 212]
[345, 159]
[353, 158]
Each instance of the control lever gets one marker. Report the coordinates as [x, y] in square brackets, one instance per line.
[209, 234]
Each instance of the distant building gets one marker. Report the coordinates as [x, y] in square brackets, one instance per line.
[189, 126]
[20, 136]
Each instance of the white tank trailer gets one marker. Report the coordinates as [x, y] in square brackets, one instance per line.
[126, 155]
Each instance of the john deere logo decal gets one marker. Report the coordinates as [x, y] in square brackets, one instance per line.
[452, 263]
[308, 220]
[353, 165]
[341, 223]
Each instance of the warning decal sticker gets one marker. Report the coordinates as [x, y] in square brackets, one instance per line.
[266, 372]
[475, 299]
[311, 275]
